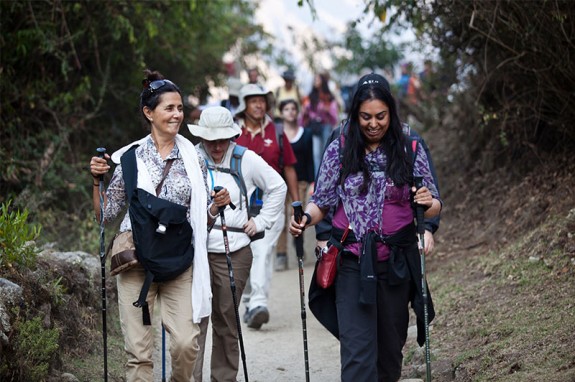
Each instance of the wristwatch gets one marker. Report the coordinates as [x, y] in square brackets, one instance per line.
[308, 218]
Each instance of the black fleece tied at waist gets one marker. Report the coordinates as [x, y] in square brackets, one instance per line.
[404, 266]
[398, 270]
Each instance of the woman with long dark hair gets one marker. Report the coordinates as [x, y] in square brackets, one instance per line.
[367, 176]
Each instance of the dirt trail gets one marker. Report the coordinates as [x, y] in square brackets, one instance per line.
[276, 351]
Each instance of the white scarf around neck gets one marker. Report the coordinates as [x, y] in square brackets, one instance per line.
[201, 288]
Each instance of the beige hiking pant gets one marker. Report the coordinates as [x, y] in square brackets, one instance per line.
[225, 352]
[175, 308]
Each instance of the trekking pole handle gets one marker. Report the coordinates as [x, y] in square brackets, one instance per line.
[100, 152]
[218, 189]
[297, 211]
[419, 209]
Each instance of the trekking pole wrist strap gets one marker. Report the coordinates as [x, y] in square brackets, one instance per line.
[308, 218]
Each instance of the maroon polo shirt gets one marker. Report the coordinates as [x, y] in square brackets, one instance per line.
[265, 144]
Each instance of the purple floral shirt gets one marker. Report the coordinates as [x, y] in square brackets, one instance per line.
[177, 187]
[366, 212]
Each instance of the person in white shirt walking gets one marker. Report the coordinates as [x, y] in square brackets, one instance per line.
[216, 129]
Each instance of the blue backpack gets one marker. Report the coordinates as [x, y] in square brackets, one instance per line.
[254, 202]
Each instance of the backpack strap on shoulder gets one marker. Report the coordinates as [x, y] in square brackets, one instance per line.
[413, 150]
[236, 172]
[130, 175]
[130, 171]
[413, 141]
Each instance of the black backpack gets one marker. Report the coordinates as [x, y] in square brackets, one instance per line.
[162, 233]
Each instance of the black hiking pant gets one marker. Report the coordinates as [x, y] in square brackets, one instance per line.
[371, 336]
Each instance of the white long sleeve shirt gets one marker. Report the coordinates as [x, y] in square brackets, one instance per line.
[256, 173]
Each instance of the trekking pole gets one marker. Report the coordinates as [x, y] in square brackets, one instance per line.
[163, 353]
[419, 210]
[298, 214]
[101, 151]
[232, 281]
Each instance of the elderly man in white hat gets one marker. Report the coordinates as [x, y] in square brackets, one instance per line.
[216, 129]
[259, 134]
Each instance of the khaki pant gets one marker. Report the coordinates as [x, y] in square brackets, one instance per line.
[225, 348]
[174, 299]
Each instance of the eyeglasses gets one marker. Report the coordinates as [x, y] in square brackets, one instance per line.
[155, 85]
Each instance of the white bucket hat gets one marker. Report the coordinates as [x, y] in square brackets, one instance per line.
[249, 90]
[234, 86]
[215, 123]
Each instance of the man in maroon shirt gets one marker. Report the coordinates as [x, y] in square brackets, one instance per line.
[259, 135]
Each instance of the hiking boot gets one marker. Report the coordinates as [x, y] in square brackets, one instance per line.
[281, 262]
[257, 317]
[246, 316]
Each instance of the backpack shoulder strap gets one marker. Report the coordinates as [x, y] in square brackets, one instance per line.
[413, 140]
[130, 171]
[235, 171]
[413, 149]
[236, 167]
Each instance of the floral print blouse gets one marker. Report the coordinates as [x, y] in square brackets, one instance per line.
[177, 187]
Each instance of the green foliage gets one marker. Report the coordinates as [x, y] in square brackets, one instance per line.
[35, 347]
[514, 58]
[56, 290]
[358, 54]
[17, 237]
[71, 79]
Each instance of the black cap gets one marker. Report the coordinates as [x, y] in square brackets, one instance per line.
[373, 79]
[288, 75]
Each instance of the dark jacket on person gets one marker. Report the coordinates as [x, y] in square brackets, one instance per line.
[404, 266]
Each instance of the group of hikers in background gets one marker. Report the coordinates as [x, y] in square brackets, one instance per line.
[234, 181]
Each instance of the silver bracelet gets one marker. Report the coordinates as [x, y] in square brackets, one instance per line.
[210, 212]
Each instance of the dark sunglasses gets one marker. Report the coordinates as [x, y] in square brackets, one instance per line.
[155, 85]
